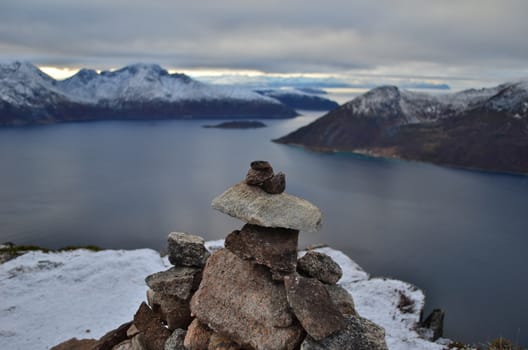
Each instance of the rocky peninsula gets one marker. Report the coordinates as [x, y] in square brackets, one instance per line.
[484, 129]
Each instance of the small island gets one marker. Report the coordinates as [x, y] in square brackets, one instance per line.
[238, 124]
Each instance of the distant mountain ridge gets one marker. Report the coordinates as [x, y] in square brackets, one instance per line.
[485, 128]
[139, 91]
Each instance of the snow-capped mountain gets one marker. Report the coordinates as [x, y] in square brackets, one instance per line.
[22, 84]
[148, 82]
[511, 99]
[485, 128]
[139, 91]
[389, 102]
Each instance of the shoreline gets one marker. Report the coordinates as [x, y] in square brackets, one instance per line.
[380, 155]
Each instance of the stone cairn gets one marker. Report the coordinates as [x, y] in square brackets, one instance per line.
[254, 293]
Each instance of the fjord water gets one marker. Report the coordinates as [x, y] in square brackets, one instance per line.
[459, 235]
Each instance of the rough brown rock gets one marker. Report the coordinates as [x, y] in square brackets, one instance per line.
[198, 336]
[219, 342]
[358, 334]
[132, 331]
[275, 248]
[175, 312]
[106, 342]
[259, 172]
[150, 326]
[261, 165]
[254, 206]
[114, 337]
[138, 343]
[320, 266]
[187, 250]
[257, 177]
[178, 281]
[240, 300]
[435, 322]
[341, 298]
[153, 302]
[176, 340]
[313, 307]
[124, 345]
[275, 184]
[76, 344]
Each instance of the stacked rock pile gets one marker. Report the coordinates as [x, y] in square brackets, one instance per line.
[255, 293]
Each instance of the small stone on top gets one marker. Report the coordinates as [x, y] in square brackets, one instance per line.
[259, 171]
[275, 184]
[261, 165]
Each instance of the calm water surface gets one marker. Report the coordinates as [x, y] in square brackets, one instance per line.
[459, 235]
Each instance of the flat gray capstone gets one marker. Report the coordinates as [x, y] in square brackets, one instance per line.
[254, 206]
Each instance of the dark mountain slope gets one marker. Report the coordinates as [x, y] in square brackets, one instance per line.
[485, 129]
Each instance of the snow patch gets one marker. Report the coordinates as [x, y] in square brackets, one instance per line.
[377, 299]
[46, 298]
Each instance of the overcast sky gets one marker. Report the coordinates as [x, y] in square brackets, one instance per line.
[442, 41]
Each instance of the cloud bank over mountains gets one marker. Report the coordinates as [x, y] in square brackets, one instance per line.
[437, 41]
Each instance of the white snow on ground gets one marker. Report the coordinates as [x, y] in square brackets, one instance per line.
[46, 298]
[377, 300]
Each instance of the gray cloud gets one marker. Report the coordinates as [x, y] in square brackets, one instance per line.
[436, 38]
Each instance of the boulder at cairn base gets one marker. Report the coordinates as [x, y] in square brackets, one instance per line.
[175, 341]
[358, 334]
[275, 248]
[320, 266]
[313, 306]
[187, 250]
[239, 299]
[254, 206]
[151, 329]
[76, 344]
[198, 336]
[219, 342]
[110, 340]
